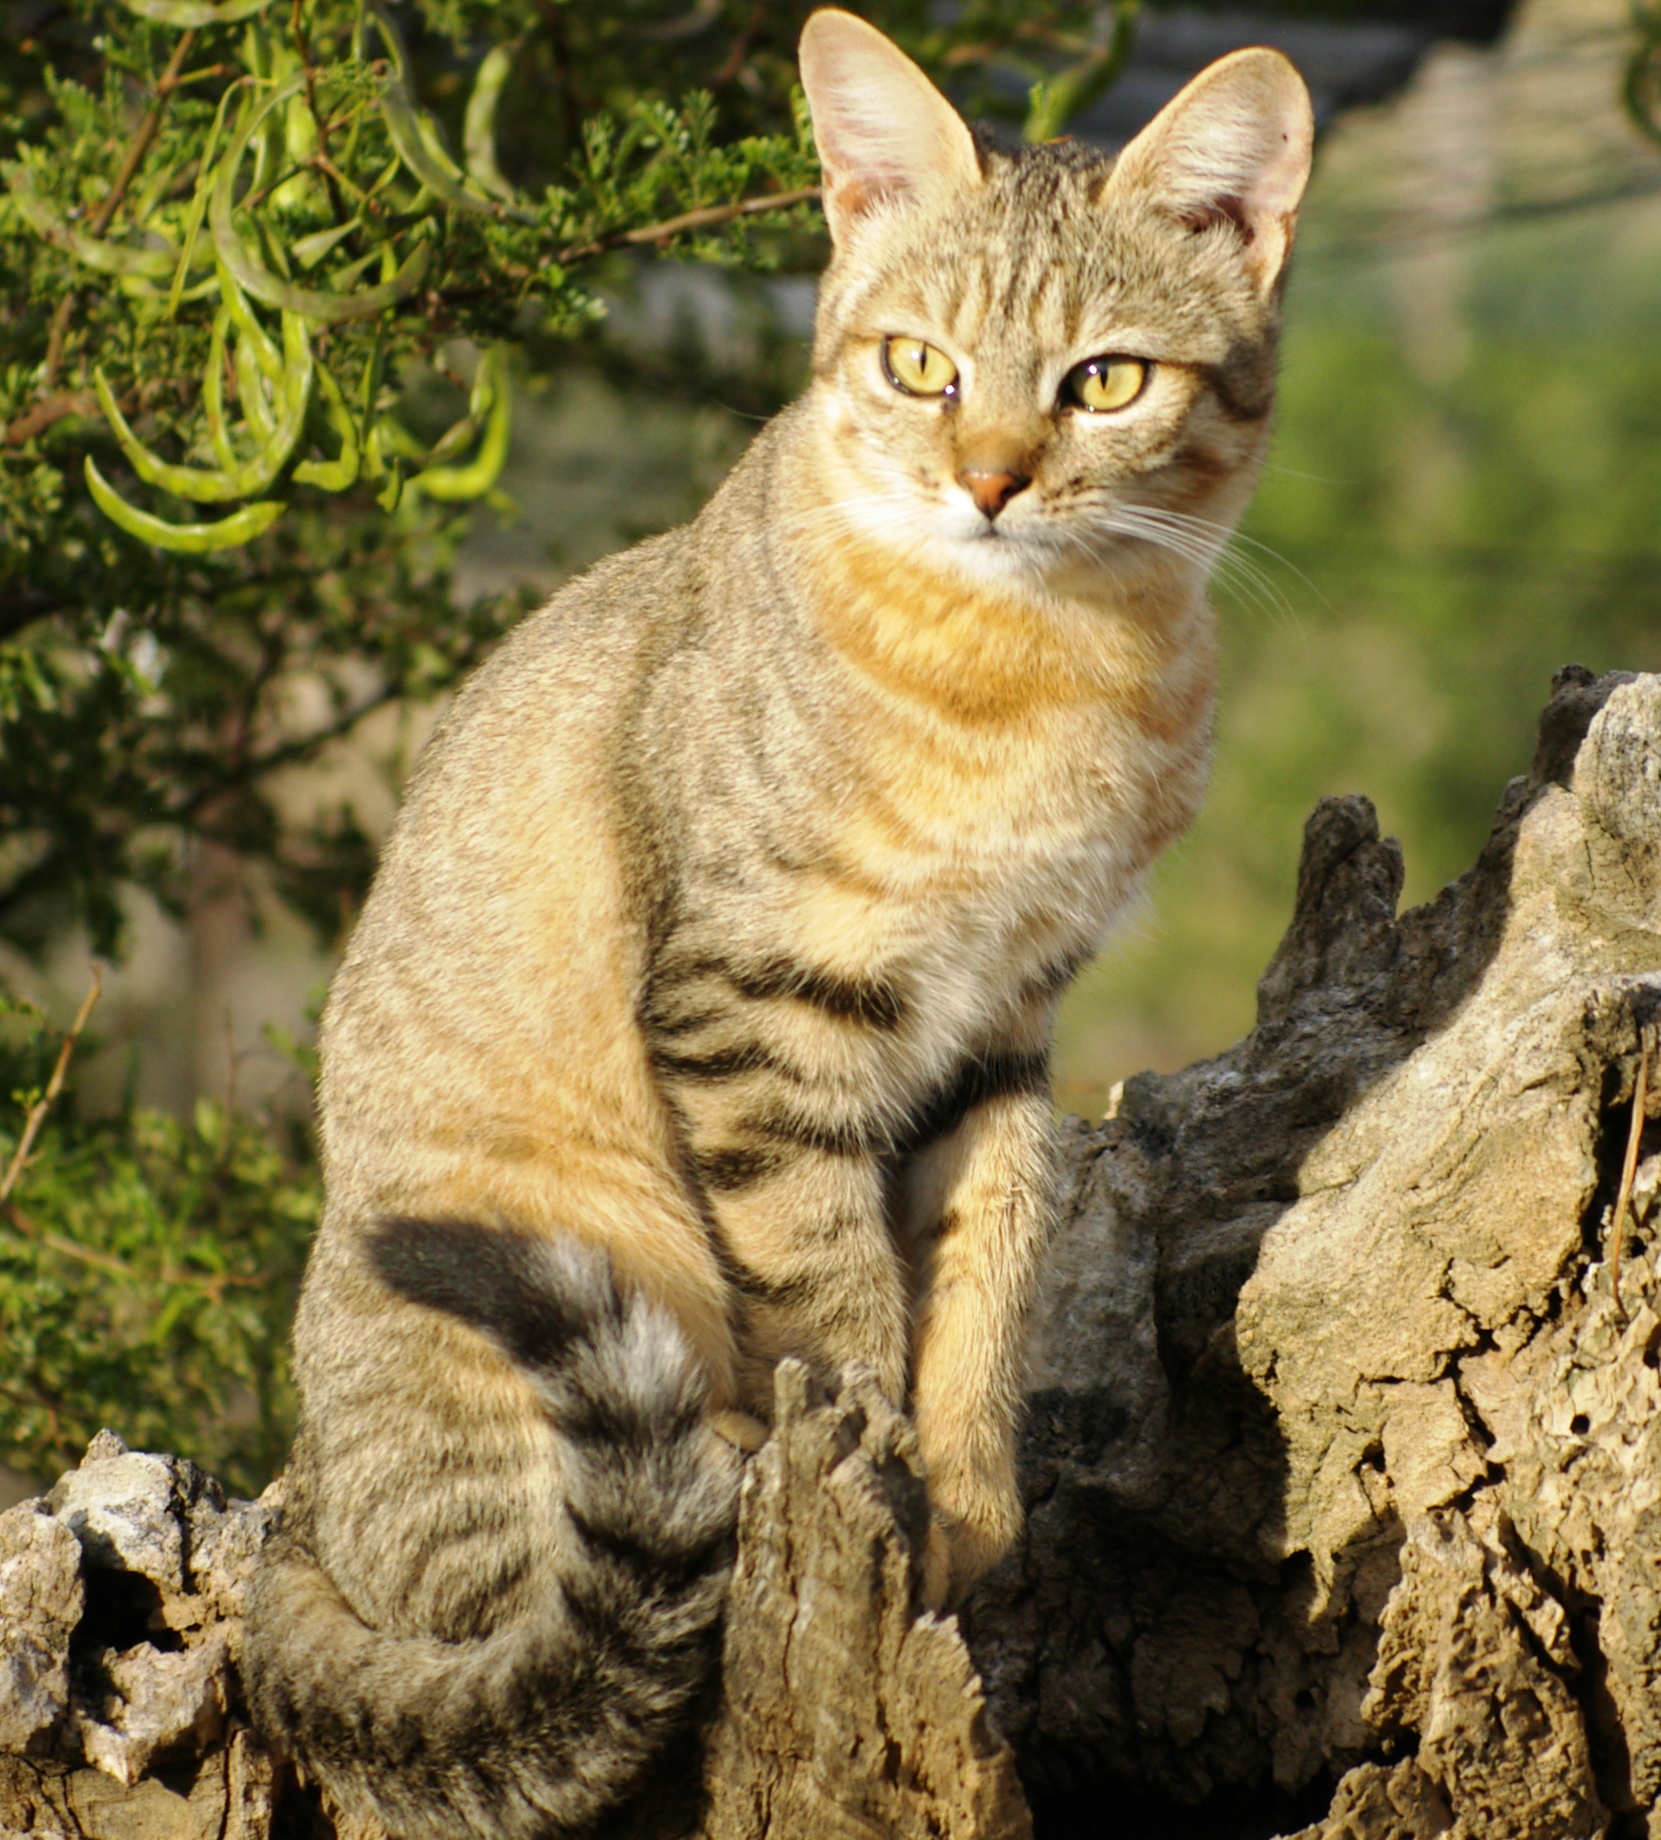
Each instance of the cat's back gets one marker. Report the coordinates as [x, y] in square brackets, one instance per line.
[497, 939]
[481, 1018]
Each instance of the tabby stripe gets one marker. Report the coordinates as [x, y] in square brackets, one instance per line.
[988, 1076]
[782, 1127]
[618, 1425]
[673, 1567]
[735, 1167]
[776, 1139]
[746, 1280]
[773, 1135]
[495, 1279]
[726, 1064]
[1054, 978]
[871, 1001]
[656, 1023]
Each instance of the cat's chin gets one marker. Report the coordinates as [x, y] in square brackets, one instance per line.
[995, 556]
[1028, 560]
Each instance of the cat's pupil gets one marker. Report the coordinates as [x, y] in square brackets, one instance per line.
[1104, 384]
[916, 368]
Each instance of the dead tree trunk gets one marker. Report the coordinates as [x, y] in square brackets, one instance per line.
[1343, 1456]
[1343, 1461]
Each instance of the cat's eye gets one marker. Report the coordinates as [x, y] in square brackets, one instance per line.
[918, 368]
[1105, 384]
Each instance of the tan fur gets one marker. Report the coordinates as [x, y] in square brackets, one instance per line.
[726, 917]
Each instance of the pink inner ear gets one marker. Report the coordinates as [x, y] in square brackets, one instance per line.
[883, 129]
[1229, 208]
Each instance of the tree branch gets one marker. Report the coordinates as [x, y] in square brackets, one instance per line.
[54, 1086]
[688, 220]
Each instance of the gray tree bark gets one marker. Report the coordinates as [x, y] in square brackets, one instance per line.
[1343, 1464]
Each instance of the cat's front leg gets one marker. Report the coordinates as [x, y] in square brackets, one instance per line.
[985, 1198]
[804, 1239]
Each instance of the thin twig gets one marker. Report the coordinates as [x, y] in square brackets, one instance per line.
[54, 1086]
[1629, 1166]
[303, 45]
[55, 336]
[688, 220]
[214, 1283]
[140, 143]
[99, 222]
[50, 409]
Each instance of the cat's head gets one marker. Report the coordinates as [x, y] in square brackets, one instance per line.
[1034, 363]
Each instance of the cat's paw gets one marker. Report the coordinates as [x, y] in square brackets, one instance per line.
[744, 1433]
[968, 1535]
[936, 1588]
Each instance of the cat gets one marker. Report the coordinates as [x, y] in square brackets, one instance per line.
[700, 1011]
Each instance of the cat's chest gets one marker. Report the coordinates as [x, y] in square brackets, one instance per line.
[967, 935]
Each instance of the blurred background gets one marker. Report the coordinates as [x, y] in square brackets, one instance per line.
[1464, 492]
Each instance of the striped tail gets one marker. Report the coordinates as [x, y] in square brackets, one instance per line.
[532, 1732]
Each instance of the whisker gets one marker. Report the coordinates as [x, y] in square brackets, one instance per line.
[1234, 538]
[1292, 472]
[1216, 547]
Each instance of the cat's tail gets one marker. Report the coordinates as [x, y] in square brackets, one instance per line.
[538, 1728]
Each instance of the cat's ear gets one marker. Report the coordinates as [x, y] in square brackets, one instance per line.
[884, 132]
[1234, 146]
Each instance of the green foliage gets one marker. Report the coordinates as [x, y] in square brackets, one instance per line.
[1641, 91]
[165, 728]
[147, 1273]
[296, 173]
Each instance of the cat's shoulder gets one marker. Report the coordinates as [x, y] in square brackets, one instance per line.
[655, 594]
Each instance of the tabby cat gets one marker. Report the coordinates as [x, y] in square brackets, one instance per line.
[700, 1011]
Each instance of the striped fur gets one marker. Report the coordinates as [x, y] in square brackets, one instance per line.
[536, 1725]
[715, 953]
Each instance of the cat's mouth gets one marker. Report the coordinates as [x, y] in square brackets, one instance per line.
[995, 549]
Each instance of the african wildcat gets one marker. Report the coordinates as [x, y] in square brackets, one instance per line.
[700, 1011]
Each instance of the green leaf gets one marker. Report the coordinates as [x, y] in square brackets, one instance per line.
[417, 143]
[454, 483]
[195, 13]
[107, 258]
[337, 474]
[192, 539]
[327, 308]
[479, 131]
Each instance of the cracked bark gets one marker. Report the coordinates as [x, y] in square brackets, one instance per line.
[1343, 1462]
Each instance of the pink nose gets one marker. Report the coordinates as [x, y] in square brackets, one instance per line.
[991, 491]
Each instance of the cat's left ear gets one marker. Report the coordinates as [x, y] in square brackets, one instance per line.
[1234, 147]
[884, 132]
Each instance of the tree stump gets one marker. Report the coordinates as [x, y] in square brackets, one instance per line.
[1343, 1459]
[1343, 1456]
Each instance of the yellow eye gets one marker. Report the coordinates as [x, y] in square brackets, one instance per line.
[1102, 384]
[918, 369]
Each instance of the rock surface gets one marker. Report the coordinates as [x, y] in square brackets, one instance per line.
[1343, 1460]
[41, 1598]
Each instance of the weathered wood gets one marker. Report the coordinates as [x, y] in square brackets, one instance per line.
[1329, 1348]
[845, 1712]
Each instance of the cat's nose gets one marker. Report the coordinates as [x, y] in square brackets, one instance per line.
[991, 490]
